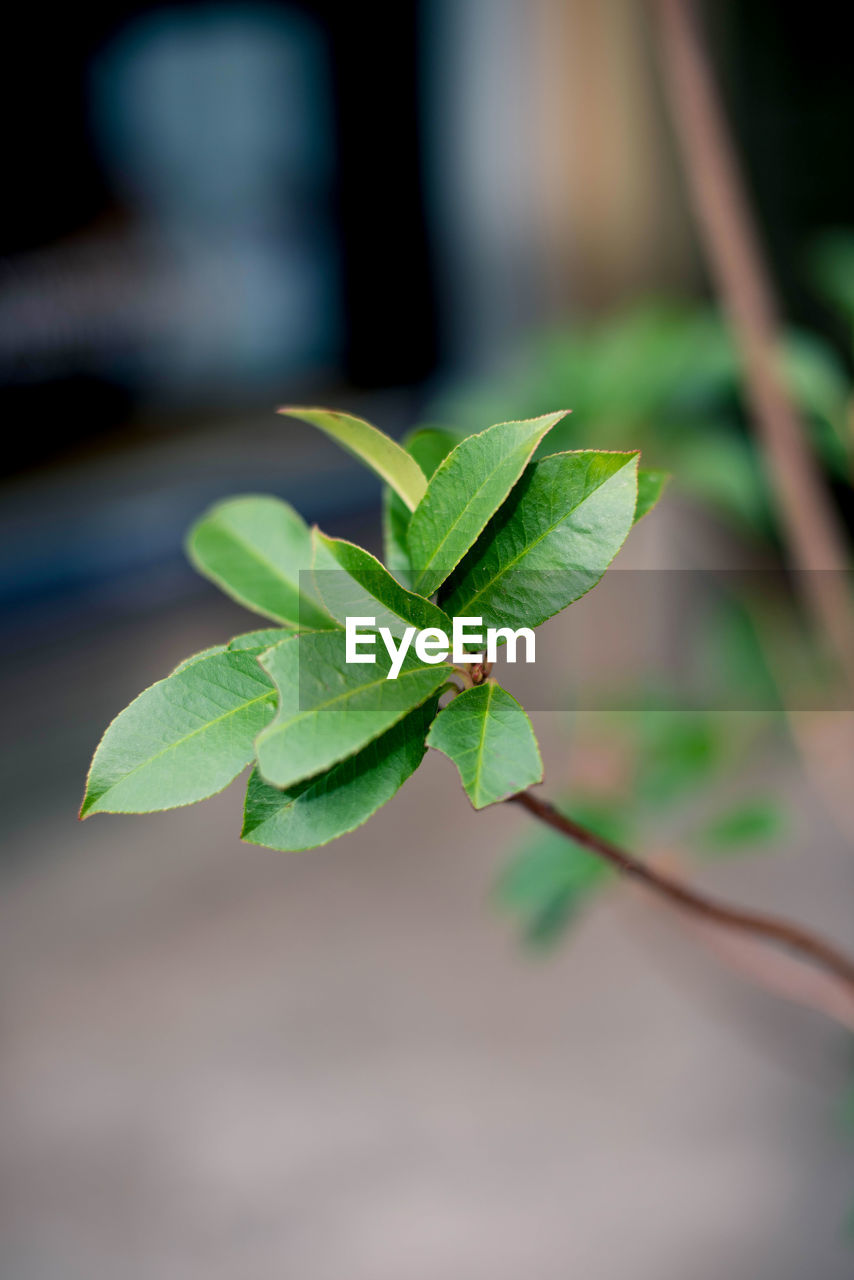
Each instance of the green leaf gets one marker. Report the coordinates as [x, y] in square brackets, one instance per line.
[254, 642]
[183, 739]
[395, 522]
[429, 446]
[465, 491]
[547, 883]
[196, 657]
[756, 822]
[551, 542]
[254, 548]
[382, 454]
[329, 708]
[816, 376]
[724, 470]
[487, 735]
[320, 809]
[257, 641]
[678, 752]
[351, 582]
[832, 262]
[651, 485]
[818, 380]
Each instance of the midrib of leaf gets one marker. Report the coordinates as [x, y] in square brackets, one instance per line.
[476, 493]
[203, 728]
[353, 693]
[478, 769]
[505, 568]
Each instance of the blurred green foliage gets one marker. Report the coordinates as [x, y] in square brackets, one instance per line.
[679, 781]
[550, 880]
[665, 377]
[756, 822]
[831, 262]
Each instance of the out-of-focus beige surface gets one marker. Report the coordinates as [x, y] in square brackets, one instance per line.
[222, 1062]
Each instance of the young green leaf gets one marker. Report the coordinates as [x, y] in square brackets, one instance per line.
[551, 542]
[182, 739]
[429, 446]
[382, 454]
[254, 548]
[651, 485]
[320, 809]
[488, 736]
[330, 708]
[465, 492]
[350, 582]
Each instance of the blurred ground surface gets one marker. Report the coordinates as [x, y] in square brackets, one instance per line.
[220, 1062]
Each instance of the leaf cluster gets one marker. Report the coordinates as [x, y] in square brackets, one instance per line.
[472, 527]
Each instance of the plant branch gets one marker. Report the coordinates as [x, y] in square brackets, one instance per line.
[780, 932]
[729, 238]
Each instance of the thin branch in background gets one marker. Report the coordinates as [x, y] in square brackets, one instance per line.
[767, 928]
[769, 968]
[775, 971]
[728, 234]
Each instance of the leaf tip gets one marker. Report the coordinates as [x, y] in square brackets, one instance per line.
[301, 413]
[86, 807]
[307, 412]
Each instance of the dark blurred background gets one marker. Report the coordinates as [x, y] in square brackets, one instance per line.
[222, 1062]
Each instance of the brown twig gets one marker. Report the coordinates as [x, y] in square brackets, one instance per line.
[682, 896]
[729, 238]
[785, 975]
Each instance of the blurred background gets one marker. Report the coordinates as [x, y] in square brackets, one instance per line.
[363, 1062]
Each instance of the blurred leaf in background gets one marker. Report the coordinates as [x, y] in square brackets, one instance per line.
[548, 881]
[754, 823]
[665, 765]
[664, 377]
[831, 263]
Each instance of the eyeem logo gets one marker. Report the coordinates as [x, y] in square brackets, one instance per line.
[432, 644]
